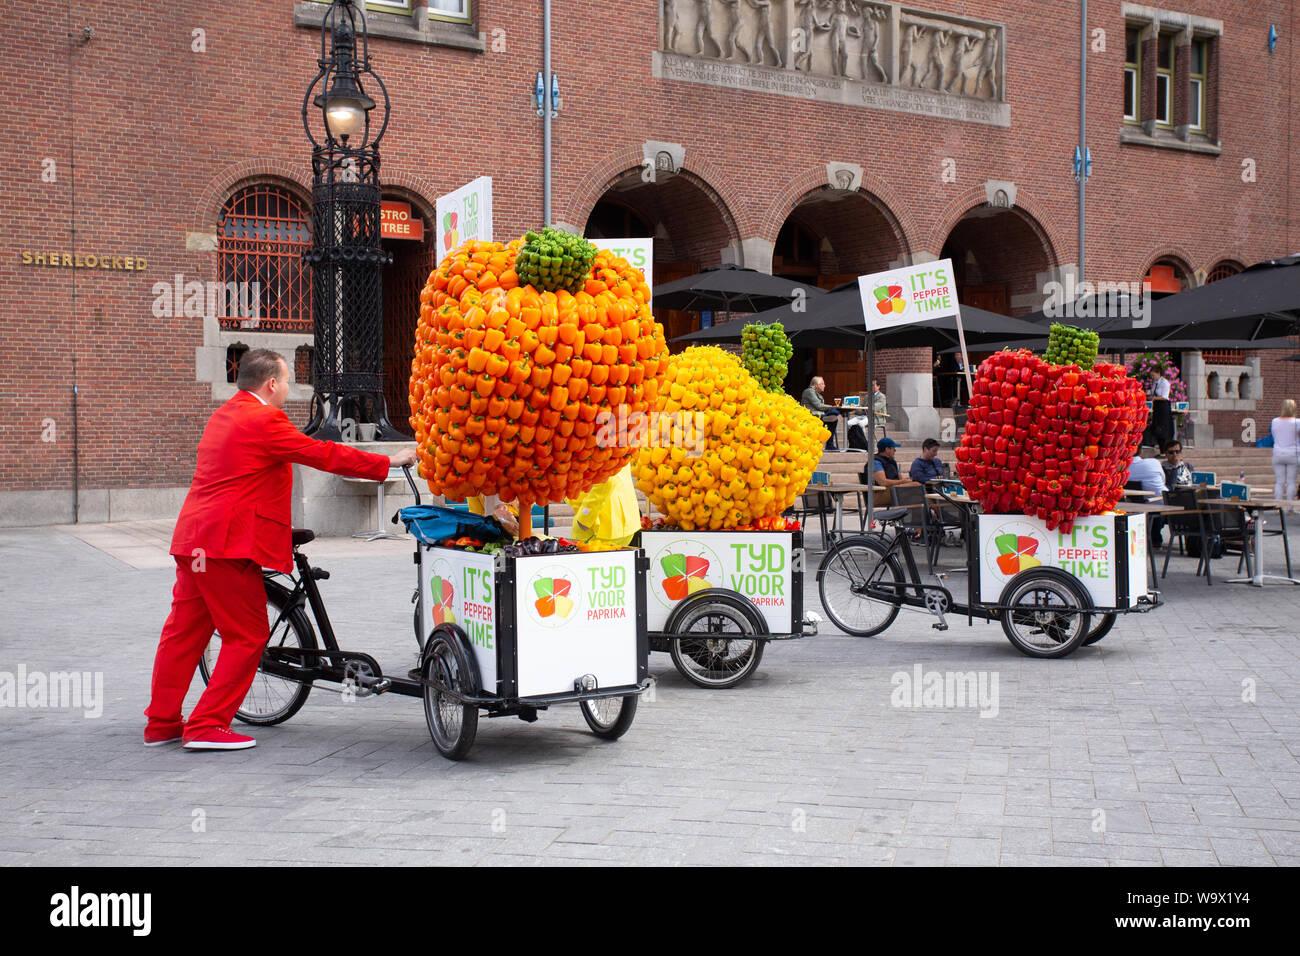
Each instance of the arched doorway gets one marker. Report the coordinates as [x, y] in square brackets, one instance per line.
[689, 223]
[409, 238]
[998, 256]
[831, 237]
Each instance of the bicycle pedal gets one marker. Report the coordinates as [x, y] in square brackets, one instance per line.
[940, 626]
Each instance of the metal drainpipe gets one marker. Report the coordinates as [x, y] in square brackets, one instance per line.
[546, 112]
[1083, 120]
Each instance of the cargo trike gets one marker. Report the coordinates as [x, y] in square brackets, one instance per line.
[715, 598]
[1052, 591]
[509, 636]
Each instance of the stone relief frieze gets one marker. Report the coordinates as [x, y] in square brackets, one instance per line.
[861, 52]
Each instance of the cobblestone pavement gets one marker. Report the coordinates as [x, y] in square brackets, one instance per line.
[1173, 741]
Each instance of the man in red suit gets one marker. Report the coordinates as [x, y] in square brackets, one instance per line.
[235, 521]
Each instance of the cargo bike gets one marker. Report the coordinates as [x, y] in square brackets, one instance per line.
[715, 598]
[1053, 592]
[509, 636]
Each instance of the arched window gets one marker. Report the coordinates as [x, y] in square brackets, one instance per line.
[1222, 270]
[261, 235]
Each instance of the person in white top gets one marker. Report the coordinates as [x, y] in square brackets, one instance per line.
[1286, 452]
[1162, 419]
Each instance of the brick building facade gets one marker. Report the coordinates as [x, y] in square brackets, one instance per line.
[142, 122]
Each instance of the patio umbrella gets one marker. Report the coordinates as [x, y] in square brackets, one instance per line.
[1262, 302]
[835, 321]
[730, 288]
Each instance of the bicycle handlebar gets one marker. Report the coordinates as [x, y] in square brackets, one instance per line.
[406, 470]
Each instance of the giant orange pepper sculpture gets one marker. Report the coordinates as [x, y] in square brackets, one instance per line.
[509, 381]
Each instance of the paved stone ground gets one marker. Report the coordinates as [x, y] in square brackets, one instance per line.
[1138, 751]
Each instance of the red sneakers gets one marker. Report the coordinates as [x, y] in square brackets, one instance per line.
[219, 739]
[158, 732]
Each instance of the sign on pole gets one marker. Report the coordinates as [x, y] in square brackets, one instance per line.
[464, 214]
[638, 252]
[912, 295]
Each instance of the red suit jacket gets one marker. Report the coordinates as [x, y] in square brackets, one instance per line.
[238, 505]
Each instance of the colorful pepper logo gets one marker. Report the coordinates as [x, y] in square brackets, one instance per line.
[553, 597]
[684, 574]
[449, 234]
[1016, 553]
[889, 299]
[442, 594]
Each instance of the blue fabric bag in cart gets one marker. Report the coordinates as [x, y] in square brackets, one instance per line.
[432, 524]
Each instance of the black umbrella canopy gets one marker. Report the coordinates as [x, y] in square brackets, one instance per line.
[1106, 313]
[836, 321]
[730, 288]
[1261, 303]
[1114, 344]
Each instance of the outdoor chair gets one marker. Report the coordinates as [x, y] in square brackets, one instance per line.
[1192, 526]
[942, 519]
[812, 503]
[912, 498]
[1237, 537]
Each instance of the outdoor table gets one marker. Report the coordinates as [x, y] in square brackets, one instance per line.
[848, 411]
[1150, 509]
[1257, 508]
[838, 491]
[394, 474]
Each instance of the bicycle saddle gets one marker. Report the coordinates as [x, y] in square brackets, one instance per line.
[893, 514]
[302, 536]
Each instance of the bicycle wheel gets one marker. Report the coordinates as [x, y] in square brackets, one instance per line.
[270, 699]
[843, 578]
[452, 724]
[1045, 616]
[609, 717]
[714, 644]
[1104, 623]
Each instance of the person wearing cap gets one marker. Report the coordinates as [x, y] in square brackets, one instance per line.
[884, 469]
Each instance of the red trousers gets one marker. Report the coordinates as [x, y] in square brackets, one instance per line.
[225, 595]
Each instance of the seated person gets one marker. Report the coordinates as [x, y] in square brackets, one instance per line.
[812, 400]
[927, 467]
[884, 470]
[1148, 472]
[1177, 472]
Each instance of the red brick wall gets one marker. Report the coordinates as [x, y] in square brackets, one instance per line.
[160, 134]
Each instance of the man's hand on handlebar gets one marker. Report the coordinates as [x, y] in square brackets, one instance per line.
[404, 457]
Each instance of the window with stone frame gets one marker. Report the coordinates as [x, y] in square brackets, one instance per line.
[455, 11]
[262, 233]
[1132, 75]
[1170, 78]
[1197, 69]
[1164, 102]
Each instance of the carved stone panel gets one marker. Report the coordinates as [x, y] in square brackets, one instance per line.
[858, 52]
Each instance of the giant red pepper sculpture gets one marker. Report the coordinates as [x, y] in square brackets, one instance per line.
[1053, 441]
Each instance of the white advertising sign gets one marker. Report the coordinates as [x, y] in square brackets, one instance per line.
[908, 295]
[1010, 544]
[757, 565]
[458, 587]
[464, 214]
[638, 252]
[575, 614]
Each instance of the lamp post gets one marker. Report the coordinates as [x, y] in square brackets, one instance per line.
[346, 258]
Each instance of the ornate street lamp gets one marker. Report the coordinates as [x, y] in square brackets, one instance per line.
[346, 258]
